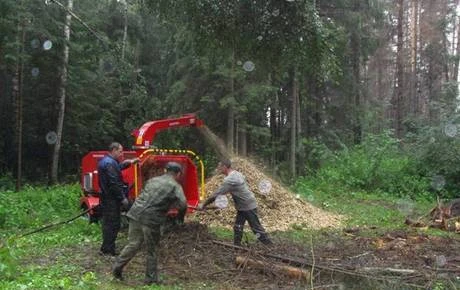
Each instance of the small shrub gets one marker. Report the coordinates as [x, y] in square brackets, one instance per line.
[7, 182]
[378, 164]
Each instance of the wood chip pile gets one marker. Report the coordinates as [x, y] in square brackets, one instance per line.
[279, 209]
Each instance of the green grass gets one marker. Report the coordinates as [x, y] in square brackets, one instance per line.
[53, 258]
[378, 211]
[222, 233]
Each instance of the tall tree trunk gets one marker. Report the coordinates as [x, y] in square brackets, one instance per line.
[18, 84]
[137, 54]
[231, 110]
[356, 59]
[380, 93]
[230, 128]
[457, 50]
[293, 120]
[423, 40]
[125, 30]
[445, 44]
[414, 48]
[356, 67]
[242, 140]
[298, 125]
[314, 111]
[398, 97]
[273, 131]
[432, 57]
[62, 95]
[274, 128]
[237, 136]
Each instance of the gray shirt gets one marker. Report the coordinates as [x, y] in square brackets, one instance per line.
[235, 183]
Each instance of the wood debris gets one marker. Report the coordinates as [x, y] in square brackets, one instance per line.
[289, 271]
[445, 216]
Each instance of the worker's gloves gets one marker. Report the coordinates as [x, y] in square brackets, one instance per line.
[125, 204]
[134, 160]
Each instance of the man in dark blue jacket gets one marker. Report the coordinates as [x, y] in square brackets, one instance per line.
[112, 195]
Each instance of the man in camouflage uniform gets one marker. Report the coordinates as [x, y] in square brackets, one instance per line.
[244, 200]
[147, 215]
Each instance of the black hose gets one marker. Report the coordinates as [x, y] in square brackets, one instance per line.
[55, 224]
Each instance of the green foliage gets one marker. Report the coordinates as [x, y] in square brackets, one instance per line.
[31, 247]
[37, 206]
[7, 183]
[187, 56]
[31, 209]
[8, 261]
[437, 156]
[54, 277]
[378, 164]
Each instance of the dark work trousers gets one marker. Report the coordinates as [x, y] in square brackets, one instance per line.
[111, 217]
[254, 223]
[138, 234]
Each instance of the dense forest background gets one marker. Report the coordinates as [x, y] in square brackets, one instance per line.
[368, 86]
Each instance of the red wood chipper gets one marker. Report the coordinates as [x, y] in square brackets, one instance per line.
[192, 179]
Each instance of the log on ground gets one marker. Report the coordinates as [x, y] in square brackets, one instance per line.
[293, 272]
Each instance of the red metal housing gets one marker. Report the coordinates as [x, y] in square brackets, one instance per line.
[189, 180]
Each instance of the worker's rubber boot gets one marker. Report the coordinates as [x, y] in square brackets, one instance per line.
[264, 239]
[151, 271]
[117, 272]
[151, 282]
[151, 279]
[237, 235]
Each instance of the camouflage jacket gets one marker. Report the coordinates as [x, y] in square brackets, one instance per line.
[159, 194]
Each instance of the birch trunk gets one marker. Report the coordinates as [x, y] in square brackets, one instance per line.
[125, 30]
[62, 95]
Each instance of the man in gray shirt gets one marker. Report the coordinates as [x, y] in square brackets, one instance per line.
[244, 200]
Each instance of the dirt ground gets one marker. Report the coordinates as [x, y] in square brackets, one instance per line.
[193, 258]
[335, 258]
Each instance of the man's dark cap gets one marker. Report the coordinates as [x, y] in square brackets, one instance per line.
[174, 167]
[226, 162]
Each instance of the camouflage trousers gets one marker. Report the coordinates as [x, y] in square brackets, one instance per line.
[137, 236]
